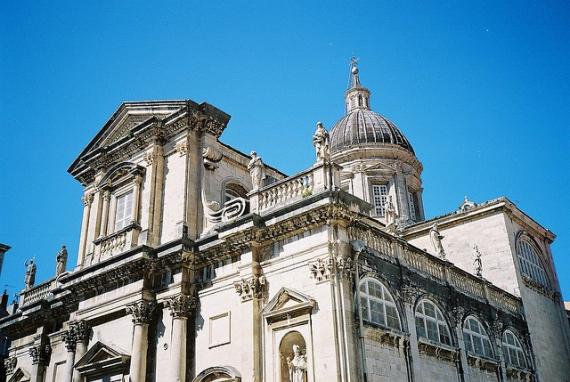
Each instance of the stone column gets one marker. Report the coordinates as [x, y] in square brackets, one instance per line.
[39, 354]
[142, 314]
[497, 329]
[70, 340]
[81, 330]
[181, 307]
[87, 200]
[410, 295]
[105, 213]
[155, 161]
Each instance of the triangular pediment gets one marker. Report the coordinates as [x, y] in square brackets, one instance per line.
[100, 354]
[289, 302]
[20, 375]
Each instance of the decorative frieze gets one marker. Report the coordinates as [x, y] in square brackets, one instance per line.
[181, 305]
[249, 287]
[141, 311]
[10, 364]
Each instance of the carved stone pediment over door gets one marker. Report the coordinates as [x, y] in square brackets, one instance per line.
[103, 362]
[288, 337]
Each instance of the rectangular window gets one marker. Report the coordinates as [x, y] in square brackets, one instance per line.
[124, 210]
[412, 205]
[379, 198]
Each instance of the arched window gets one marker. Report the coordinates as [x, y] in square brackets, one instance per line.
[430, 323]
[530, 263]
[512, 350]
[377, 304]
[476, 339]
[234, 190]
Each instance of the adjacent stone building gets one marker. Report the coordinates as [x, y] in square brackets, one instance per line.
[200, 263]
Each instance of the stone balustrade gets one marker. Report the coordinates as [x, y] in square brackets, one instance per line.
[437, 268]
[318, 178]
[37, 293]
[116, 242]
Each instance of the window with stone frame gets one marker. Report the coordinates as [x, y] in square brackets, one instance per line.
[430, 323]
[377, 304]
[530, 262]
[123, 210]
[513, 352]
[379, 198]
[413, 205]
[476, 339]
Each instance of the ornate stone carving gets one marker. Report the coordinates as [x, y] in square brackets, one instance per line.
[345, 267]
[141, 311]
[30, 278]
[10, 365]
[456, 314]
[321, 143]
[410, 293]
[466, 205]
[322, 269]
[61, 261]
[150, 157]
[70, 339]
[181, 305]
[87, 199]
[80, 330]
[436, 241]
[256, 170]
[439, 351]
[391, 216]
[211, 157]
[497, 329]
[39, 354]
[249, 287]
[233, 209]
[182, 148]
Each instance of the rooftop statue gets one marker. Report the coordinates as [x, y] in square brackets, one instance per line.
[61, 261]
[436, 239]
[30, 274]
[321, 143]
[256, 170]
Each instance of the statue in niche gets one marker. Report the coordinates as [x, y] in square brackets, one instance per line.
[436, 239]
[30, 274]
[321, 143]
[391, 215]
[256, 170]
[297, 365]
[477, 263]
[61, 261]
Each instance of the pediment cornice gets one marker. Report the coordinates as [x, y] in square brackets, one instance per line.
[135, 125]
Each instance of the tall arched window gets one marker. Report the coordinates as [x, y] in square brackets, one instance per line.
[476, 338]
[430, 323]
[377, 304]
[512, 350]
[531, 265]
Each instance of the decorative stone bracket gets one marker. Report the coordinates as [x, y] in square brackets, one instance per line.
[10, 365]
[249, 287]
[439, 351]
[489, 365]
[520, 374]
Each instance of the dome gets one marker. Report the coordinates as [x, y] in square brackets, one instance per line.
[363, 127]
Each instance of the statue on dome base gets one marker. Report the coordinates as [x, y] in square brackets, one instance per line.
[321, 143]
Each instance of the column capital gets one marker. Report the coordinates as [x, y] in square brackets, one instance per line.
[180, 305]
[81, 330]
[87, 199]
[70, 339]
[40, 354]
[10, 365]
[141, 311]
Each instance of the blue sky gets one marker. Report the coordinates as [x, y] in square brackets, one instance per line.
[480, 88]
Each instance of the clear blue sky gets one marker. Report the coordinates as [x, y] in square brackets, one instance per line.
[480, 88]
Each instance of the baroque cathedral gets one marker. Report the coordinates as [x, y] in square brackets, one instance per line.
[200, 263]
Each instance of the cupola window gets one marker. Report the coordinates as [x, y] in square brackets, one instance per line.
[379, 198]
[412, 205]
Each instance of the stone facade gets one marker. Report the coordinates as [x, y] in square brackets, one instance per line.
[200, 263]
